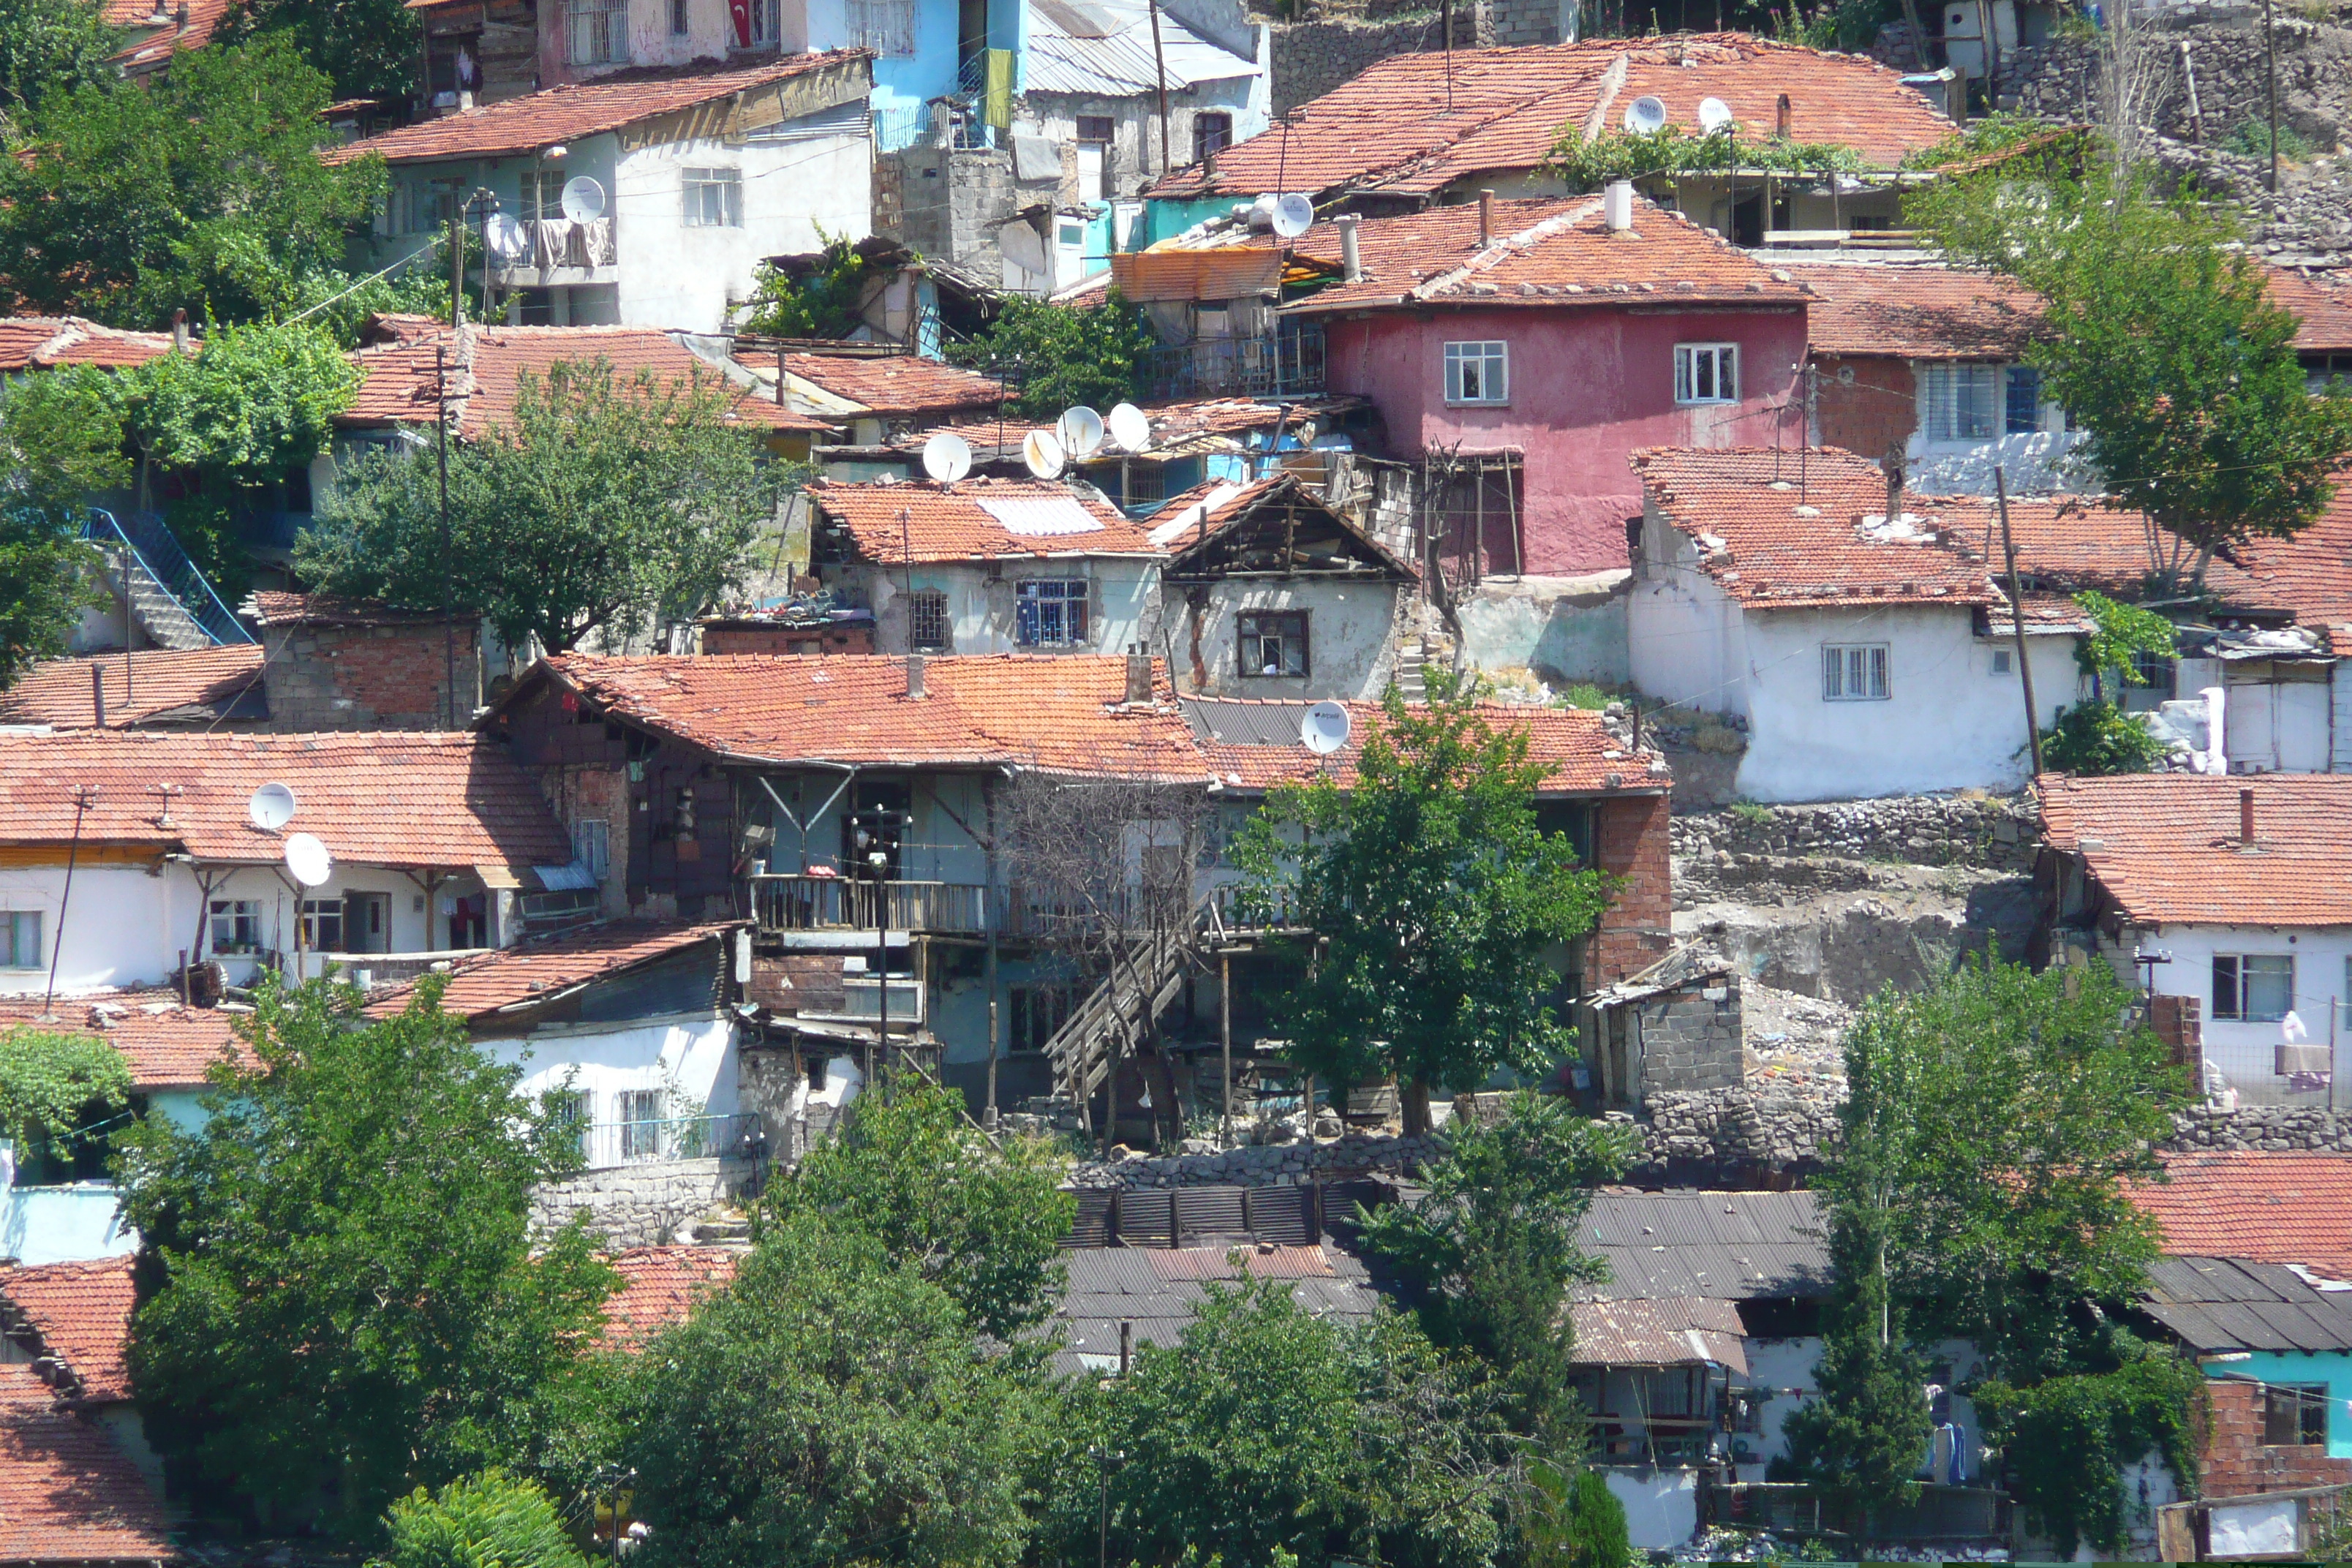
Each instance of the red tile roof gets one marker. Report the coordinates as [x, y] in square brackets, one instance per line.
[574, 109]
[270, 607]
[1252, 745]
[1916, 310]
[2310, 575]
[660, 1288]
[166, 1046]
[484, 367]
[155, 49]
[1544, 253]
[66, 1493]
[2261, 1206]
[164, 681]
[1063, 714]
[894, 385]
[81, 1313]
[538, 972]
[2323, 301]
[35, 343]
[406, 798]
[977, 518]
[2166, 845]
[1416, 124]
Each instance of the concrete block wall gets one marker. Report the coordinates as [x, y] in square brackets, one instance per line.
[367, 677]
[1691, 1039]
[1636, 930]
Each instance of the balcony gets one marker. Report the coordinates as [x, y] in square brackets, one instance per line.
[607, 1145]
[1287, 363]
[799, 902]
[562, 254]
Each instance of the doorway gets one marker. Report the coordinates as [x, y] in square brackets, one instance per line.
[469, 921]
[367, 922]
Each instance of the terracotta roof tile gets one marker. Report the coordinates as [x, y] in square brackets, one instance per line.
[159, 44]
[2323, 301]
[2261, 1206]
[977, 518]
[894, 385]
[574, 109]
[271, 607]
[199, 682]
[1174, 426]
[66, 1493]
[1253, 746]
[403, 798]
[166, 1045]
[660, 1288]
[1916, 310]
[1687, 1331]
[1059, 714]
[538, 971]
[1551, 254]
[33, 342]
[2309, 575]
[82, 1312]
[2166, 846]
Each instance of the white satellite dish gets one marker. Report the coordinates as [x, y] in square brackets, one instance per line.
[1130, 431]
[1022, 247]
[1714, 115]
[583, 199]
[1042, 454]
[1293, 214]
[1646, 115]
[506, 240]
[947, 457]
[1324, 728]
[1080, 432]
[308, 859]
[271, 807]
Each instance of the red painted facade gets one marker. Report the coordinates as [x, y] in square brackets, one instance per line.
[1588, 385]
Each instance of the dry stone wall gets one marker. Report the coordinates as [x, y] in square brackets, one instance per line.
[642, 1205]
[1991, 833]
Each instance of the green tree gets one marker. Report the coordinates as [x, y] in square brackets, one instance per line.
[1435, 898]
[1862, 1442]
[50, 1084]
[983, 1224]
[368, 49]
[1570, 1518]
[830, 1406]
[606, 505]
[1054, 357]
[2068, 1440]
[819, 302]
[2094, 738]
[1489, 1252]
[60, 443]
[2163, 342]
[204, 190]
[492, 1520]
[52, 46]
[340, 1297]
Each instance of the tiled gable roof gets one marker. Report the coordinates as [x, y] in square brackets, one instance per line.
[2309, 575]
[1915, 311]
[2323, 301]
[977, 518]
[38, 343]
[1545, 253]
[66, 1493]
[1056, 713]
[141, 688]
[155, 49]
[1254, 746]
[2166, 845]
[536, 972]
[404, 798]
[574, 109]
[80, 1313]
[2261, 1206]
[895, 383]
[166, 1045]
[660, 1288]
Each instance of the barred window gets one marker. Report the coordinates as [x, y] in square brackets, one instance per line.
[1051, 612]
[1210, 133]
[886, 27]
[927, 619]
[599, 32]
[714, 198]
[1961, 402]
[1854, 672]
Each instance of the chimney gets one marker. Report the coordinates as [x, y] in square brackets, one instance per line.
[1617, 205]
[2246, 819]
[1125, 1345]
[915, 692]
[98, 696]
[1351, 259]
[1784, 119]
[1139, 674]
[1486, 219]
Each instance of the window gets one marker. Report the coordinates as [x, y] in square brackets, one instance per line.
[2024, 401]
[1037, 1011]
[1051, 612]
[20, 939]
[1959, 402]
[575, 1114]
[541, 195]
[679, 23]
[927, 619]
[1274, 642]
[2252, 987]
[2294, 1416]
[2001, 661]
[1706, 373]
[1210, 133]
[322, 924]
[599, 32]
[1094, 127]
[1854, 672]
[415, 207]
[2156, 674]
[761, 15]
[714, 198]
[592, 845]
[1478, 372]
[638, 1110]
[886, 27]
[1094, 133]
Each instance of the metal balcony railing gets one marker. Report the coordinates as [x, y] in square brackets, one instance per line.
[1284, 364]
[160, 578]
[605, 1144]
[802, 902]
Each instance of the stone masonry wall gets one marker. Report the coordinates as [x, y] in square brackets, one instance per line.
[642, 1206]
[1994, 833]
[1311, 58]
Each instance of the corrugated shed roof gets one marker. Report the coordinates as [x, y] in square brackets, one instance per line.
[1692, 1331]
[147, 687]
[2166, 846]
[1104, 49]
[1728, 1246]
[538, 972]
[2223, 1304]
[1159, 1290]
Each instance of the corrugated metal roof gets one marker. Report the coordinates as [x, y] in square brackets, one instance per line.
[1687, 1332]
[1158, 1290]
[1731, 1247]
[1036, 517]
[1103, 48]
[2227, 1304]
[1235, 272]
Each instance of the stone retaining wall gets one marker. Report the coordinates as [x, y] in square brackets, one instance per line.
[1311, 58]
[1993, 833]
[642, 1205]
[2272, 1127]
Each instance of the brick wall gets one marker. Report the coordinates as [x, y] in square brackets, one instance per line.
[2236, 1461]
[724, 637]
[1878, 409]
[2178, 1022]
[367, 677]
[1632, 841]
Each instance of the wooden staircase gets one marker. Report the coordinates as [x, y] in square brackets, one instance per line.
[1146, 977]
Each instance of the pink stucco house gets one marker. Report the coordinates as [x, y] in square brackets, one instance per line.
[1566, 333]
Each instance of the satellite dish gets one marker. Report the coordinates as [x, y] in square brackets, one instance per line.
[1080, 432]
[271, 807]
[308, 859]
[1042, 454]
[583, 199]
[1646, 115]
[947, 457]
[1324, 728]
[1293, 214]
[1022, 247]
[1130, 430]
[506, 240]
[1714, 115]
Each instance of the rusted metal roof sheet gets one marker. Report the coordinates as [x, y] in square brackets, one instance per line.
[1687, 1331]
[1234, 272]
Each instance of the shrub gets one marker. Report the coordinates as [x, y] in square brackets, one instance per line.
[487, 1520]
[2095, 738]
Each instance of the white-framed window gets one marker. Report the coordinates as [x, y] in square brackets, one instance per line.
[20, 939]
[1854, 672]
[2252, 987]
[639, 1113]
[1478, 372]
[714, 198]
[886, 27]
[236, 925]
[322, 924]
[1706, 373]
[927, 619]
[597, 32]
[1273, 642]
[1051, 612]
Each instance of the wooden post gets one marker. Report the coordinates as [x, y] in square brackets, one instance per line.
[2017, 619]
[1225, 1038]
[1159, 69]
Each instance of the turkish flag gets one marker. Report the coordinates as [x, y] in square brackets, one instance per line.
[741, 10]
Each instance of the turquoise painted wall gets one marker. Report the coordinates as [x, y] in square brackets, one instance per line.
[2333, 1368]
[1166, 219]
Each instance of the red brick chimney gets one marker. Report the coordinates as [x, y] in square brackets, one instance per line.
[2246, 818]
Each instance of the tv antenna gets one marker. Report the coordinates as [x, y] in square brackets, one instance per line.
[1042, 454]
[1646, 115]
[270, 808]
[947, 457]
[1080, 432]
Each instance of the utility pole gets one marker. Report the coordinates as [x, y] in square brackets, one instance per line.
[1160, 68]
[457, 260]
[2017, 619]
